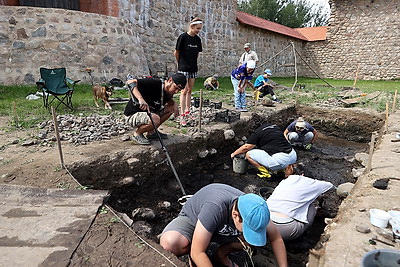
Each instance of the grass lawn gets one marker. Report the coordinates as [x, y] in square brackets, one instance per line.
[28, 113]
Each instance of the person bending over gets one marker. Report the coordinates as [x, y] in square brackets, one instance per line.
[301, 133]
[267, 150]
[223, 214]
[291, 203]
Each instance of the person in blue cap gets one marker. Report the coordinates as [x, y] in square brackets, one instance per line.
[222, 214]
[261, 84]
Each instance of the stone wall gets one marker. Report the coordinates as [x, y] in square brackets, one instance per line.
[362, 34]
[31, 38]
[142, 42]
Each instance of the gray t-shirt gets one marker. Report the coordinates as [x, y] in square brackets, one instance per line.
[212, 205]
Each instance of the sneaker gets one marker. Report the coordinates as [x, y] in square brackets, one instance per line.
[140, 140]
[243, 110]
[155, 136]
[277, 100]
[129, 77]
[189, 116]
[238, 109]
[183, 121]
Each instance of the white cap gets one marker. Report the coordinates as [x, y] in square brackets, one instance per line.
[251, 64]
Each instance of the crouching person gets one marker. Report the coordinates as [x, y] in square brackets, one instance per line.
[301, 133]
[291, 203]
[267, 150]
[155, 97]
[222, 214]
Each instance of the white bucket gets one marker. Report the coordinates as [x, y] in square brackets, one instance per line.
[395, 226]
[395, 214]
[240, 164]
[379, 218]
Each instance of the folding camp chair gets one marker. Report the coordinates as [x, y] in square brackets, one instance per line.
[55, 85]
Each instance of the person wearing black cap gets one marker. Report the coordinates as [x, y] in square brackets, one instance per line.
[227, 216]
[151, 96]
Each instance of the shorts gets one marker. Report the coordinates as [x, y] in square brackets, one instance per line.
[277, 161]
[183, 225]
[137, 119]
[189, 75]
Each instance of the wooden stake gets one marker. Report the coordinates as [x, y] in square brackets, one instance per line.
[53, 112]
[200, 108]
[394, 101]
[356, 77]
[387, 117]
[371, 152]
[15, 115]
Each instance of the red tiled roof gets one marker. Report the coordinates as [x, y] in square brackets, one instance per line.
[314, 33]
[248, 19]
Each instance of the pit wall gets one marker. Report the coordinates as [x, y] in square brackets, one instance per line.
[130, 166]
[141, 41]
[363, 35]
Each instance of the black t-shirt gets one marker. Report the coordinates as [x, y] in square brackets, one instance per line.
[151, 90]
[269, 137]
[189, 48]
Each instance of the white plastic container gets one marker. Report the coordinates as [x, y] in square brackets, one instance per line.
[395, 214]
[379, 218]
[395, 226]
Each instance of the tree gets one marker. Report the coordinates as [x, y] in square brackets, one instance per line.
[291, 13]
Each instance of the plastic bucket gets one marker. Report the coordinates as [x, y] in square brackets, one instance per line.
[240, 164]
[381, 257]
[395, 214]
[395, 223]
[379, 218]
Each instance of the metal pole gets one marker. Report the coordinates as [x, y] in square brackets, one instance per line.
[53, 112]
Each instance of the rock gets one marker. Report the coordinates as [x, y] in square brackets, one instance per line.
[363, 229]
[226, 166]
[132, 161]
[125, 138]
[362, 158]
[385, 233]
[29, 142]
[344, 189]
[213, 151]
[143, 213]
[125, 218]
[166, 205]
[127, 180]
[203, 154]
[141, 228]
[229, 134]
[357, 172]
[381, 183]
[15, 142]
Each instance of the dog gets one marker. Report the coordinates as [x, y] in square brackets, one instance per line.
[102, 92]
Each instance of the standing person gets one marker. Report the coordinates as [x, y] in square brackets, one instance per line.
[151, 96]
[261, 84]
[301, 133]
[188, 47]
[267, 150]
[240, 78]
[211, 83]
[291, 203]
[248, 55]
[222, 214]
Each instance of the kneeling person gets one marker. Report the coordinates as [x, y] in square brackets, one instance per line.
[222, 214]
[151, 96]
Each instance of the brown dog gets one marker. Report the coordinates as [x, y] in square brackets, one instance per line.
[102, 92]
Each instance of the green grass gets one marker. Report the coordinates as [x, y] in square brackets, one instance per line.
[31, 112]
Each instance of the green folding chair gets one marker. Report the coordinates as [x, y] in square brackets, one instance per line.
[56, 86]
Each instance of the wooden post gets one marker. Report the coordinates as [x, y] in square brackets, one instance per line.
[53, 112]
[371, 152]
[394, 101]
[295, 67]
[15, 115]
[356, 77]
[200, 108]
[387, 117]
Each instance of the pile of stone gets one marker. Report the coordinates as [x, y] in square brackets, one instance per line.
[80, 130]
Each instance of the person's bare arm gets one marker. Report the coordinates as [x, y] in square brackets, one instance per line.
[201, 240]
[278, 246]
[176, 54]
[243, 149]
[135, 91]
[315, 136]
[285, 133]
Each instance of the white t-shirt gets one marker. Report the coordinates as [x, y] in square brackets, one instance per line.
[294, 195]
[246, 56]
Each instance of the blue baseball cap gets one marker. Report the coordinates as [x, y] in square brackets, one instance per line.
[255, 214]
[268, 71]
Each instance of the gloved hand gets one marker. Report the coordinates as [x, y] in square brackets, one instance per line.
[308, 146]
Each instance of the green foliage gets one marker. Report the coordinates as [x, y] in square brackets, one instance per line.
[290, 13]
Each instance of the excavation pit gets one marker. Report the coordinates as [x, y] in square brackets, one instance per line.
[141, 181]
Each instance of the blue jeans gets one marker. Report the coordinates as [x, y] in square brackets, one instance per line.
[240, 98]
